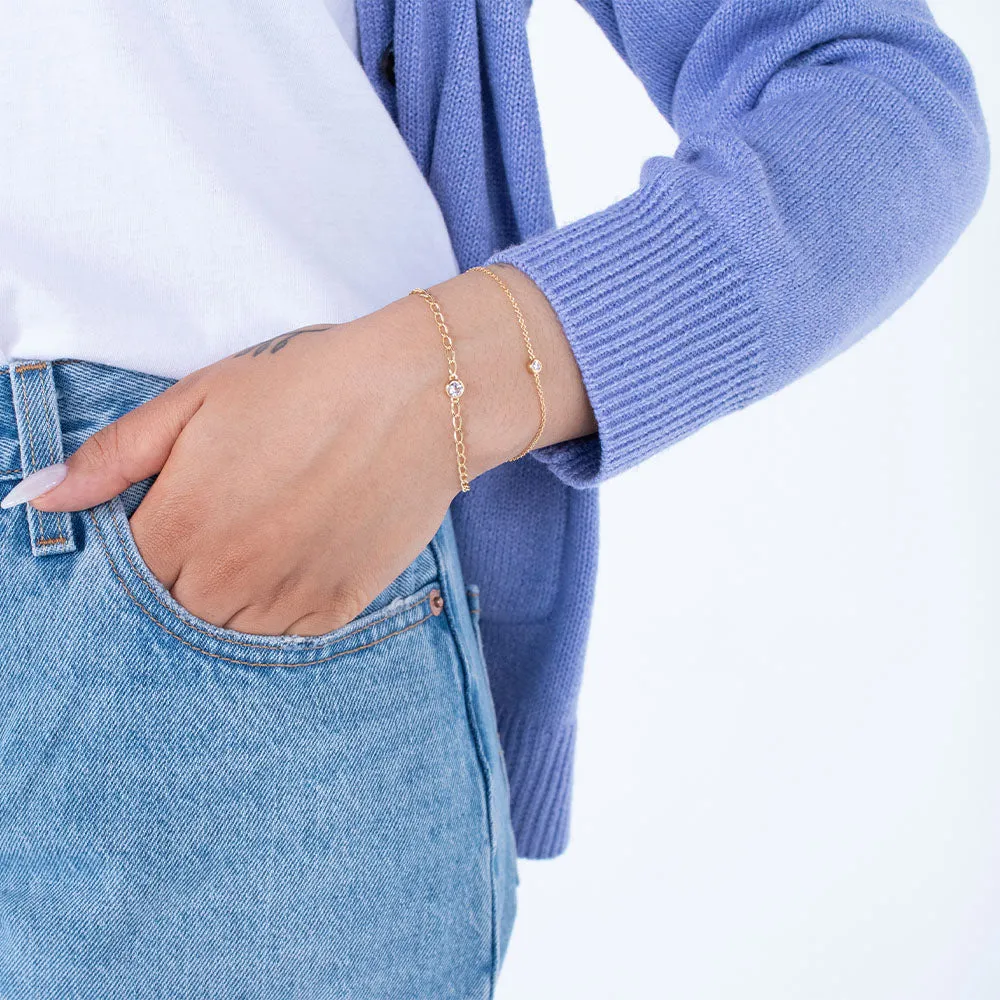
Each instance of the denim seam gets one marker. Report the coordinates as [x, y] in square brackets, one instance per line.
[234, 642]
[27, 415]
[250, 663]
[482, 761]
[43, 539]
[51, 428]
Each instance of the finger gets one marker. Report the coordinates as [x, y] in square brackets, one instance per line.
[156, 536]
[210, 603]
[124, 452]
[317, 624]
[258, 620]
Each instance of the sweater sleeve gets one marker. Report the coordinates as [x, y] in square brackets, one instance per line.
[830, 154]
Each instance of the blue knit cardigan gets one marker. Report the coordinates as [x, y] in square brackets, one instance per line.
[831, 152]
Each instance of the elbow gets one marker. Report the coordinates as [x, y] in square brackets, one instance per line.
[945, 94]
[977, 162]
[965, 138]
[944, 168]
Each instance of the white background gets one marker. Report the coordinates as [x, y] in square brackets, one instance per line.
[788, 774]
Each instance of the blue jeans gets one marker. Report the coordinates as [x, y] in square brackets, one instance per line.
[192, 812]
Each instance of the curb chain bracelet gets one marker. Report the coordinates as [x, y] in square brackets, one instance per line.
[454, 387]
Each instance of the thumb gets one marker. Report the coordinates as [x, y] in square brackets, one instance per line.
[122, 453]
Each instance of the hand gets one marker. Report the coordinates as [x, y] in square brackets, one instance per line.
[297, 479]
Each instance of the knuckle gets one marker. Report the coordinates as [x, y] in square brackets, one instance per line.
[214, 585]
[102, 448]
[177, 523]
[344, 606]
[315, 625]
[228, 567]
[201, 601]
[319, 611]
[252, 622]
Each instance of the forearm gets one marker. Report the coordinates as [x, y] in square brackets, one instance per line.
[830, 155]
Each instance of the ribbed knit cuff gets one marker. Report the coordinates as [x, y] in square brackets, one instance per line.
[539, 765]
[659, 317]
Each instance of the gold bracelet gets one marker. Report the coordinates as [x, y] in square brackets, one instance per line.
[453, 388]
[534, 364]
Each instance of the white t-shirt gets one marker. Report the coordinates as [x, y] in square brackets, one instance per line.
[181, 180]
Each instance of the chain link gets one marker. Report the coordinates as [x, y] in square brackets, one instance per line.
[534, 364]
[454, 387]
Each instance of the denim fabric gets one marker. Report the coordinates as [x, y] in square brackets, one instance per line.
[192, 812]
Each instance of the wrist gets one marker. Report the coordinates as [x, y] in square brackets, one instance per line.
[499, 409]
[499, 406]
[405, 365]
[504, 414]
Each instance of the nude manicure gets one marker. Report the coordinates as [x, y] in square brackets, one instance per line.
[33, 486]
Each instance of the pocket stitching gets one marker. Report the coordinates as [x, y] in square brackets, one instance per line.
[249, 663]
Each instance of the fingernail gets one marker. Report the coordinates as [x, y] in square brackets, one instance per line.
[33, 486]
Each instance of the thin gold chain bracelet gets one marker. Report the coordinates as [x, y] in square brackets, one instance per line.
[453, 388]
[534, 364]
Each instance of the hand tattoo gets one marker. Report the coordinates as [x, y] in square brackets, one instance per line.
[277, 343]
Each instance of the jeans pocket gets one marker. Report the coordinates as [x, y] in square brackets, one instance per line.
[211, 831]
[411, 600]
[472, 596]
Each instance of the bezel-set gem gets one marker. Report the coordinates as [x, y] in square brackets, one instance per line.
[455, 388]
[535, 366]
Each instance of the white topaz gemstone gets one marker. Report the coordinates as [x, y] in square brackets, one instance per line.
[454, 388]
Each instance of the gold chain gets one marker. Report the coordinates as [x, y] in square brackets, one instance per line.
[534, 364]
[453, 388]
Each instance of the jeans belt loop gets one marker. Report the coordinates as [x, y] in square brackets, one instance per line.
[40, 434]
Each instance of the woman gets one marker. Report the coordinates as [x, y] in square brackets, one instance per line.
[252, 722]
